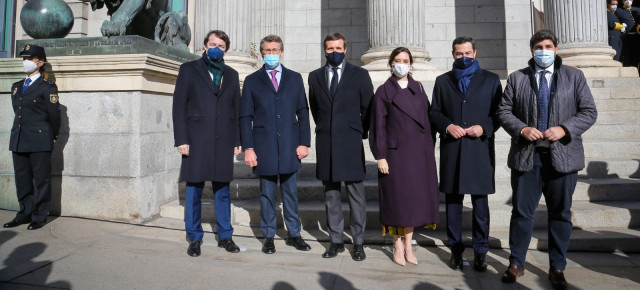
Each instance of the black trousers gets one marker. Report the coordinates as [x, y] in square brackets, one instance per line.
[480, 223]
[528, 187]
[33, 168]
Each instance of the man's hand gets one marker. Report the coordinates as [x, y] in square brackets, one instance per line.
[474, 131]
[237, 150]
[383, 166]
[302, 151]
[184, 149]
[456, 131]
[250, 158]
[531, 134]
[554, 133]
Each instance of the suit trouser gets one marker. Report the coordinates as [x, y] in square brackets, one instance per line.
[558, 190]
[480, 223]
[33, 168]
[357, 206]
[268, 188]
[193, 210]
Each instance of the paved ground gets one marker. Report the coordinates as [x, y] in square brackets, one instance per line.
[75, 253]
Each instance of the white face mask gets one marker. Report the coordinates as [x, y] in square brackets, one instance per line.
[29, 66]
[628, 3]
[401, 70]
[613, 8]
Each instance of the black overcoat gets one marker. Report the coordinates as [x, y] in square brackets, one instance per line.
[37, 116]
[401, 133]
[274, 123]
[342, 121]
[467, 165]
[206, 118]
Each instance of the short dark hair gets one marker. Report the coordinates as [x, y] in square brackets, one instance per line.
[461, 40]
[272, 38]
[334, 36]
[397, 51]
[608, 2]
[541, 35]
[219, 34]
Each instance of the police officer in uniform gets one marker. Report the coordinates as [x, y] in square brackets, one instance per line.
[35, 128]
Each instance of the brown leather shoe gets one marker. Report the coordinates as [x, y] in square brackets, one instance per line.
[557, 279]
[512, 273]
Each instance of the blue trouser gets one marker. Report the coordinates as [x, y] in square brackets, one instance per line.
[558, 190]
[480, 223]
[33, 168]
[193, 210]
[268, 187]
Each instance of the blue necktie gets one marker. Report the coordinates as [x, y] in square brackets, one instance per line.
[26, 84]
[543, 103]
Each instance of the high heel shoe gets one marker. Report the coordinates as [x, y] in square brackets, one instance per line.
[412, 260]
[398, 257]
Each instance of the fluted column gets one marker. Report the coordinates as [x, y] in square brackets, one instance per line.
[267, 18]
[394, 23]
[581, 28]
[234, 18]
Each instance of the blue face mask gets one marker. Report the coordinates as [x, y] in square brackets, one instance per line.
[272, 60]
[544, 58]
[335, 58]
[215, 54]
[463, 62]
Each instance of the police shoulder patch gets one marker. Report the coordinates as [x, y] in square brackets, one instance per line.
[53, 98]
[15, 90]
[27, 47]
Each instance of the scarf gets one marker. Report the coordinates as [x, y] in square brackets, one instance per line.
[215, 68]
[464, 74]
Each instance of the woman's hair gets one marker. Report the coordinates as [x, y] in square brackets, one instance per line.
[397, 51]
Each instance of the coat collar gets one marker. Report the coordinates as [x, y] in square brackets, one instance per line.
[404, 99]
[203, 72]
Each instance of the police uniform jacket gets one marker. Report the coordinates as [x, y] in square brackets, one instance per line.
[37, 116]
[206, 118]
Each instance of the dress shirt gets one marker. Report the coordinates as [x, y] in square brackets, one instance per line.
[278, 74]
[329, 72]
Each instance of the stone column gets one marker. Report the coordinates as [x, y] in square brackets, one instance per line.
[267, 18]
[234, 18]
[394, 23]
[581, 28]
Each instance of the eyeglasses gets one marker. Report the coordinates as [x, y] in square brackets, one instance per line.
[271, 51]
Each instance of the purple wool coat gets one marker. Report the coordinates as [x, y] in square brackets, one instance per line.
[401, 133]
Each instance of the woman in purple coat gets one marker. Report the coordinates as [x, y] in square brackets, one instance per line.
[402, 141]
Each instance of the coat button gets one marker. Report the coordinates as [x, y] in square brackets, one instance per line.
[216, 136]
[20, 99]
[19, 117]
[19, 125]
[278, 116]
[278, 134]
[218, 118]
[34, 101]
[19, 108]
[39, 131]
[219, 99]
[423, 131]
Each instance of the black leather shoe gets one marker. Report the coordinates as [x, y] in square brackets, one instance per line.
[512, 273]
[35, 225]
[557, 279]
[358, 253]
[194, 248]
[268, 247]
[479, 263]
[298, 243]
[455, 262]
[229, 245]
[14, 223]
[333, 250]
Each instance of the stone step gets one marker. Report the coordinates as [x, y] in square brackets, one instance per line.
[585, 215]
[603, 189]
[592, 240]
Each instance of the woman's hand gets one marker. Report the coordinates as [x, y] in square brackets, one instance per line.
[383, 166]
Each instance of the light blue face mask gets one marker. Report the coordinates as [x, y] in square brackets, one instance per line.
[272, 60]
[544, 58]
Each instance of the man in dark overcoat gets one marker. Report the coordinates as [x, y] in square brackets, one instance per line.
[465, 100]
[274, 126]
[206, 103]
[339, 97]
[35, 128]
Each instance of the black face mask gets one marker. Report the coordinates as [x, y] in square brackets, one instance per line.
[335, 58]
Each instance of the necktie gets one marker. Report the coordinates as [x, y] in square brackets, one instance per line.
[334, 81]
[543, 103]
[26, 85]
[274, 81]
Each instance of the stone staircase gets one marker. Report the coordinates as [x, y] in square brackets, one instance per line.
[606, 203]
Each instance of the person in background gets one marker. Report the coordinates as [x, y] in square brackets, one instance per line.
[631, 36]
[465, 101]
[35, 128]
[206, 103]
[402, 142]
[274, 126]
[615, 28]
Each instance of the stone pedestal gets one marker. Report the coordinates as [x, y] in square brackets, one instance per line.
[394, 23]
[234, 18]
[114, 158]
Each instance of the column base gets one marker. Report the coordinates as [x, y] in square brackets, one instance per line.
[377, 63]
[244, 64]
[584, 57]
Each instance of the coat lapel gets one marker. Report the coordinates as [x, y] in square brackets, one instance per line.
[284, 77]
[203, 72]
[404, 101]
[347, 74]
[264, 77]
[454, 84]
[321, 77]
